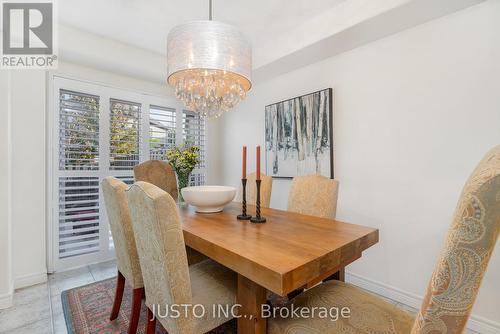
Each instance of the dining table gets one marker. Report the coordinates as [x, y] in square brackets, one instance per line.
[288, 252]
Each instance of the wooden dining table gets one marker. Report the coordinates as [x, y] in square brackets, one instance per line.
[288, 252]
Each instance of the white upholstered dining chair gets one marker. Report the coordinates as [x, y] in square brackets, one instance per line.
[454, 284]
[129, 270]
[314, 195]
[159, 173]
[167, 277]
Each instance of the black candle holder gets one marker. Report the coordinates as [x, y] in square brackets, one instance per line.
[244, 215]
[258, 218]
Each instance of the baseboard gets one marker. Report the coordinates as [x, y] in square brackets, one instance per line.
[29, 280]
[6, 300]
[483, 325]
[476, 323]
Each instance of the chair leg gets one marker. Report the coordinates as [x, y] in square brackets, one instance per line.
[150, 322]
[136, 310]
[120, 284]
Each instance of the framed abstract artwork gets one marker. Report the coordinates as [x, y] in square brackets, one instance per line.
[299, 136]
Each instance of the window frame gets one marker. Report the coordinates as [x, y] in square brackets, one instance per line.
[105, 93]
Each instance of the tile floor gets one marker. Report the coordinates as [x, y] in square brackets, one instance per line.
[38, 309]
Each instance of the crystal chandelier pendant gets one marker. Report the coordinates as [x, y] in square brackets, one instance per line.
[209, 65]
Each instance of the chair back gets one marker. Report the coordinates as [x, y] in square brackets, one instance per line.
[314, 195]
[162, 252]
[471, 238]
[266, 187]
[159, 173]
[121, 229]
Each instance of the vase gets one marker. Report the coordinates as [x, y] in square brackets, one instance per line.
[182, 182]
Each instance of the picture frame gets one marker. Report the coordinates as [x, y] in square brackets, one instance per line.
[299, 136]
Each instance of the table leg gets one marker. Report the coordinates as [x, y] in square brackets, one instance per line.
[251, 296]
[339, 276]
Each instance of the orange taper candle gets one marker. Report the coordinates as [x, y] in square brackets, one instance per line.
[258, 162]
[244, 170]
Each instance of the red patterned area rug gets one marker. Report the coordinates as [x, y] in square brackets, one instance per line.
[87, 309]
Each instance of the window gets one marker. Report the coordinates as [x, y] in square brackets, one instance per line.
[162, 131]
[102, 131]
[193, 131]
[78, 219]
[78, 131]
[125, 134]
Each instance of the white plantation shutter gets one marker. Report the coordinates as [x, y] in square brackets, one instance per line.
[193, 132]
[101, 131]
[162, 131]
[78, 131]
[78, 216]
[124, 142]
[197, 178]
[126, 179]
[78, 196]
[124, 134]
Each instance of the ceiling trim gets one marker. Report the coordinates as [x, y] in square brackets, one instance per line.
[398, 19]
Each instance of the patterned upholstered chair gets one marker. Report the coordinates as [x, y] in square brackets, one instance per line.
[266, 188]
[454, 284]
[161, 174]
[129, 270]
[168, 279]
[314, 195]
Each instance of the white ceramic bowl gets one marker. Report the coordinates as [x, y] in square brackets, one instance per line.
[207, 199]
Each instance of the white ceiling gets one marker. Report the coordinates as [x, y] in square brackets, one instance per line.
[146, 23]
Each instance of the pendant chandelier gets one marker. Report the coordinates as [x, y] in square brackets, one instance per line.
[209, 65]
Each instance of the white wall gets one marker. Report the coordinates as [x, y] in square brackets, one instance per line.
[114, 79]
[94, 51]
[414, 114]
[6, 285]
[28, 176]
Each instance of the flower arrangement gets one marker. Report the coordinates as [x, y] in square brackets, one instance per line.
[183, 158]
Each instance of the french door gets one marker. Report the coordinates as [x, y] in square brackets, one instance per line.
[98, 131]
